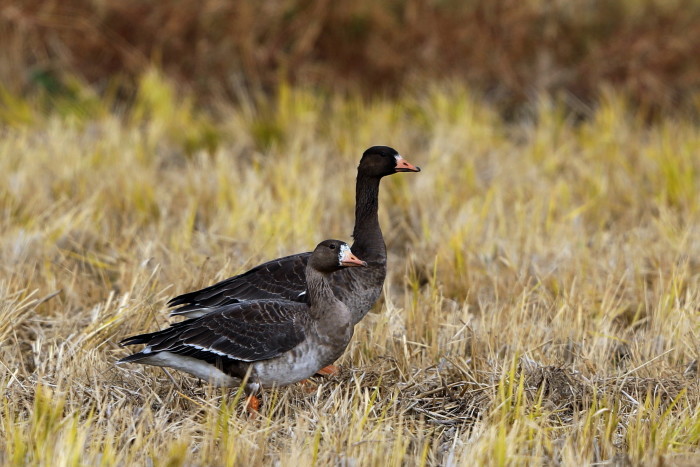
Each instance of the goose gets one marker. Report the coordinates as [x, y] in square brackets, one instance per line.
[269, 342]
[284, 278]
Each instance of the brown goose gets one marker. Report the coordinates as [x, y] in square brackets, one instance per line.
[277, 342]
[284, 278]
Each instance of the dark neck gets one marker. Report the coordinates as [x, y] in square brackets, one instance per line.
[369, 243]
[320, 292]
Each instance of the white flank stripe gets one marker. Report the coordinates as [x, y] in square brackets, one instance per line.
[216, 352]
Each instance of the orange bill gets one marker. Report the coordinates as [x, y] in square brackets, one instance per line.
[402, 165]
[350, 260]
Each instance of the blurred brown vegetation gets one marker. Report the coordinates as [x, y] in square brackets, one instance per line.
[510, 50]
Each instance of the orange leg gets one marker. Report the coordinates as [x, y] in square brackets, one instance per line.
[328, 371]
[308, 386]
[252, 405]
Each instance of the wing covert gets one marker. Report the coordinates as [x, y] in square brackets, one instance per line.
[283, 278]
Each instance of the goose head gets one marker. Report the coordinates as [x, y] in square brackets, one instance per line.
[331, 255]
[379, 161]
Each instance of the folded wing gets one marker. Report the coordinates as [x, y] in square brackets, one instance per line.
[283, 278]
[244, 332]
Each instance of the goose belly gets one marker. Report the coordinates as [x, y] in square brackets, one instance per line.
[299, 363]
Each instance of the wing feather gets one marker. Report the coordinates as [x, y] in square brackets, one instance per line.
[283, 278]
[249, 331]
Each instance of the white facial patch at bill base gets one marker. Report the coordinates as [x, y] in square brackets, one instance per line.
[398, 158]
[344, 248]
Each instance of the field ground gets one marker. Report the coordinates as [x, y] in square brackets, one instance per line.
[541, 306]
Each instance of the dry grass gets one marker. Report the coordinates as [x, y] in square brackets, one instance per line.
[541, 307]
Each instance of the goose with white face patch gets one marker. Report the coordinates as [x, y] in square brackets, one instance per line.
[273, 341]
[284, 278]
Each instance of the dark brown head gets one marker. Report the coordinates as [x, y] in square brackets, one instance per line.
[331, 255]
[379, 161]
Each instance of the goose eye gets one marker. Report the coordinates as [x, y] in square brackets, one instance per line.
[332, 246]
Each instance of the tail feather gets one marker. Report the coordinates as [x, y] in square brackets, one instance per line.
[139, 339]
[133, 340]
[192, 311]
[132, 358]
[152, 340]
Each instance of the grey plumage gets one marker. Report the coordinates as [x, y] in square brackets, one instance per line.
[278, 341]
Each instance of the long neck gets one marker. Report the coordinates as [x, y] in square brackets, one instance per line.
[369, 243]
[320, 292]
